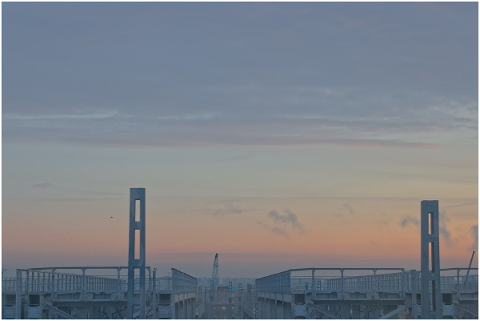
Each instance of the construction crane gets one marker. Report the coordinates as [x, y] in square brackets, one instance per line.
[469, 266]
[211, 311]
[214, 283]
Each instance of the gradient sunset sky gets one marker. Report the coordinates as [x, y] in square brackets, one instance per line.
[279, 135]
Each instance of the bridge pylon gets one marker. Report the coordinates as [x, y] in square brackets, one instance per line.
[137, 223]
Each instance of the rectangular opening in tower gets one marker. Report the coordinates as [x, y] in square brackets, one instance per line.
[136, 254]
[430, 223]
[137, 210]
[432, 257]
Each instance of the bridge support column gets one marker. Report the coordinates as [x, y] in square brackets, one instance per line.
[345, 311]
[153, 300]
[193, 304]
[279, 310]
[356, 312]
[191, 313]
[414, 277]
[401, 314]
[137, 223]
[263, 304]
[287, 310]
[430, 255]
[185, 308]
[268, 309]
[259, 308]
[374, 311]
[273, 308]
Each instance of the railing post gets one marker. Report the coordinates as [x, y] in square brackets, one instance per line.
[288, 284]
[27, 292]
[154, 292]
[313, 285]
[119, 283]
[27, 283]
[18, 297]
[458, 282]
[341, 284]
[83, 283]
[174, 299]
[414, 290]
[53, 282]
[149, 280]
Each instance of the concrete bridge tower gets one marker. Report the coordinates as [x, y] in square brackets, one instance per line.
[136, 260]
[430, 258]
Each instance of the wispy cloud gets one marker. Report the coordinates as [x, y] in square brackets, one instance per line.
[56, 117]
[272, 125]
[430, 93]
[280, 231]
[42, 185]
[337, 215]
[289, 218]
[229, 209]
[474, 235]
[348, 207]
[463, 204]
[443, 220]
[232, 159]
[445, 233]
[262, 224]
[407, 220]
[190, 117]
[62, 234]
[275, 229]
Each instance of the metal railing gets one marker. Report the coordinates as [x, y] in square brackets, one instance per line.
[9, 285]
[277, 283]
[50, 280]
[182, 282]
[178, 282]
[331, 279]
[164, 284]
[317, 280]
[249, 309]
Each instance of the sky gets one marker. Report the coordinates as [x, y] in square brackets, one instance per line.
[279, 135]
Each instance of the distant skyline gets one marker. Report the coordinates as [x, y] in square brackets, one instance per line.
[279, 135]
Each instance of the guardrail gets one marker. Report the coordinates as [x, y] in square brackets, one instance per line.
[249, 309]
[50, 280]
[9, 285]
[183, 282]
[318, 280]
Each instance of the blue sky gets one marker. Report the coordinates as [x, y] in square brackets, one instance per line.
[229, 103]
